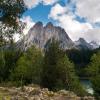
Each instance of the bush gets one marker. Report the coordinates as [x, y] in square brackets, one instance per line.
[28, 67]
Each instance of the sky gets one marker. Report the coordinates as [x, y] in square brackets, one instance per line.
[79, 18]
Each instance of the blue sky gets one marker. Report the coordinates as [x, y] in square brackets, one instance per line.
[79, 18]
[41, 12]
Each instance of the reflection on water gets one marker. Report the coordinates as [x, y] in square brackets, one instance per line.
[87, 85]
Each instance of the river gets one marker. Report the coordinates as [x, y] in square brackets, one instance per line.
[87, 85]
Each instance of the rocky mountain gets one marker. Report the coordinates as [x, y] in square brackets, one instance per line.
[83, 44]
[40, 36]
[94, 44]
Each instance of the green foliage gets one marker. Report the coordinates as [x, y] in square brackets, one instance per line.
[68, 76]
[94, 71]
[28, 67]
[79, 56]
[94, 66]
[49, 76]
[58, 72]
[81, 59]
[8, 60]
[96, 86]
[7, 33]
[2, 65]
[10, 11]
[2, 41]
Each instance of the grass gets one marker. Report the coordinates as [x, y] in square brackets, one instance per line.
[4, 94]
[7, 97]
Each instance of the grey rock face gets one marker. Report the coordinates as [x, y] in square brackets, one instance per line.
[39, 35]
[82, 44]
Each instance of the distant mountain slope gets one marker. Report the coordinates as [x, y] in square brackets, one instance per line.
[82, 44]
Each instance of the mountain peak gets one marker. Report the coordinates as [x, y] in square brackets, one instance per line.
[94, 42]
[39, 36]
[49, 24]
[82, 40]
[83, 44]
[38, 24]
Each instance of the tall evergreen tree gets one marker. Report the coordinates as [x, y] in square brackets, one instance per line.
[28, 67]
[58, 71]
[94, 71]
[2, 65]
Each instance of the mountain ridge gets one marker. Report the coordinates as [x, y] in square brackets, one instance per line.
[40, 35]
[81, 43]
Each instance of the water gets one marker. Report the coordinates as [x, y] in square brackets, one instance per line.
[87, 85]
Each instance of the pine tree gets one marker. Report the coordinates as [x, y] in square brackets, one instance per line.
[58, 72]
[2, 65]
[28, 67]
[94, 71]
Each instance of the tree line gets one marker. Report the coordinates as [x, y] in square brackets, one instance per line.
[52, 69]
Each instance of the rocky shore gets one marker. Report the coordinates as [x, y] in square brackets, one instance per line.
[37, 93]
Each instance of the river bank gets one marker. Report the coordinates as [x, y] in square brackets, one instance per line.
[37, 93]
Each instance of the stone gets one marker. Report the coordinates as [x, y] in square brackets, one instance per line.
[35, 92]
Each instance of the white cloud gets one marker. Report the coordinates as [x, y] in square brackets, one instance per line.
[74, 28]
[89, 9]
[16, 37]
[56, 11]
[33, 3]
[93, 35]
[29, 23]
[66, 19]
[49, 2]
